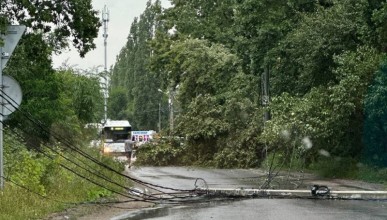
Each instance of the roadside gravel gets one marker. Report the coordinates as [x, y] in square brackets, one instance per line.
[98, 212]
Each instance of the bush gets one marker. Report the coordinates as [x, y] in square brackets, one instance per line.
[39, 185]
[375, 175]
[336, 167]
[161, 153]
[235, 158]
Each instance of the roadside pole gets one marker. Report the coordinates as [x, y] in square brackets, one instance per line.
[297, 194]
[1, 123]
[105, 21]
[265, 96]
[159, 125]
[171, 97]
[10, 38]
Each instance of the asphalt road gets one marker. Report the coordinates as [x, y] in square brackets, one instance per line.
[184, 178]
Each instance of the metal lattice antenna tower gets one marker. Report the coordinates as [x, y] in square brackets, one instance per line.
[105, 20]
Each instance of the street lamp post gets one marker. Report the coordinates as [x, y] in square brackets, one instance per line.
[171, 118]
[159, 125]
[170, 105]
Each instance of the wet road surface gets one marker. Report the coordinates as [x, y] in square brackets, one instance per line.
[184, 178]
[276, 209]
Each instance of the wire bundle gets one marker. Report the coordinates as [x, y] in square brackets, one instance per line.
[160, 196]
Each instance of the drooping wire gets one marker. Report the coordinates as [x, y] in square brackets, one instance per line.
[93, 171]
[82, 176]
[93, 159]
[76, 149]
[270, 176]
[149, 197]
[84, 154]
[99, 203]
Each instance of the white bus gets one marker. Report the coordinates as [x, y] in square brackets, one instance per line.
[116, 138]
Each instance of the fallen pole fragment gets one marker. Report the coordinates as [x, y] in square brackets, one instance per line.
[288, 193]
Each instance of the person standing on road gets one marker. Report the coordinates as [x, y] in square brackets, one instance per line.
[128, 149]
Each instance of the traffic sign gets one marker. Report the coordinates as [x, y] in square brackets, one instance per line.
[12, 95]
[11, 38]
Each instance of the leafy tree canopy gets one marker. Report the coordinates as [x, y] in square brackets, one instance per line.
[59, 20]
[321, 58]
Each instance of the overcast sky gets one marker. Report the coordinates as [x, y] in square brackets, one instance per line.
[122, 14]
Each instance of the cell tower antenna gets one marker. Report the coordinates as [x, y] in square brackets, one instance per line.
[105, 21]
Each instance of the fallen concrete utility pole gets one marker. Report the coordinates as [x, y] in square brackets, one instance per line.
[278, 193]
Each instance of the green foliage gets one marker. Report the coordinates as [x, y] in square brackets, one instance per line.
[231, 157]
[50, 25]
[23, 166]
[201, 68]
[321, 57]
[74, 19]
[161, 153]
[60, 100]
[38, 174]
[375, 130]
[349, 168]
[206, 124]
[210, 20]
[117, 100]
[379, 15]
[327, 115]
[375, 175]
[336, 167]
[131, 78]
[305, 57]
[41, 89]
[83, 94]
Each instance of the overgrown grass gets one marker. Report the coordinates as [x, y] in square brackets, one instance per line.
[375, 175]
[328, 167]
[39, 185]
[349, 168]
[280, 161]
[336, 167]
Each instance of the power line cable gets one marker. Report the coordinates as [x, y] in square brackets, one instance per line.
[106, 203]
[82, 176]
[181, 197]
[40, 125]
[87, 156]
[150, 197]
[68, 144]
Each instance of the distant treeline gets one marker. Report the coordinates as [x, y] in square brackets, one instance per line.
[326, 64]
